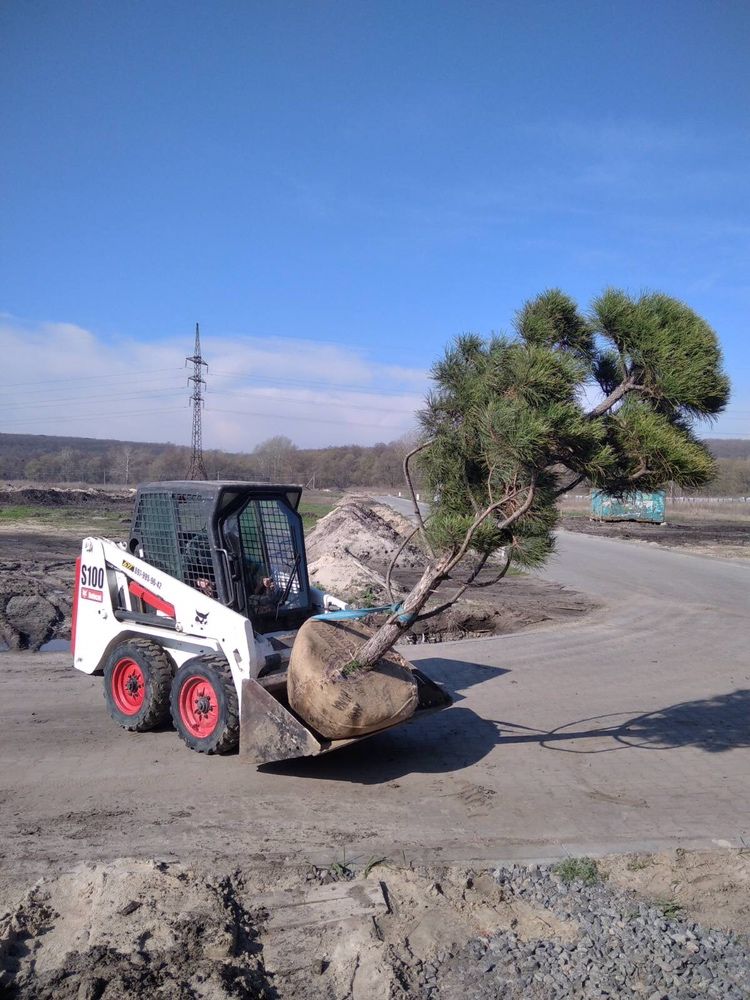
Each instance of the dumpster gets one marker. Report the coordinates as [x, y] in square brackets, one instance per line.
[636, 506]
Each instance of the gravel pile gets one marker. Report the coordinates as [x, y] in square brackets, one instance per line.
[625, 948]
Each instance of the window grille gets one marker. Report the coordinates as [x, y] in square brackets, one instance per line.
[268, 551]
[172, 531]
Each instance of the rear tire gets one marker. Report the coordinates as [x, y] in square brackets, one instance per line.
[204, 705]
[137, 676]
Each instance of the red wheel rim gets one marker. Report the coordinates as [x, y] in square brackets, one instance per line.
[199, 707]
[128, 686]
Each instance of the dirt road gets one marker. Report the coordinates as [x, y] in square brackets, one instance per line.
[165, 873]
[628, 730]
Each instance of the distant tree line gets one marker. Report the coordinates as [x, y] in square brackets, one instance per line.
[43, 458]
[733, 479]
[50, 459]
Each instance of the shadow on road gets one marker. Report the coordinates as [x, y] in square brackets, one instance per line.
[441, 743]
[711, 724]
[443, 670]
[438, 744]
[457, 738]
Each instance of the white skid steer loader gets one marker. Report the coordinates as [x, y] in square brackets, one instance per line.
[196, 616]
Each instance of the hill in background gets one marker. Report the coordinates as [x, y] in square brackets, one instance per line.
[45, 458]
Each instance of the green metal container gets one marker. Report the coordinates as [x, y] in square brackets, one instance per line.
[635, 506]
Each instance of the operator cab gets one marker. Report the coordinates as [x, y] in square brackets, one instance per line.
[240, 543]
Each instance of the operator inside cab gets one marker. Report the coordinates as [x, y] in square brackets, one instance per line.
[262, 590]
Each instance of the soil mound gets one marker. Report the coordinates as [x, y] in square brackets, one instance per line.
[52, 496]
[350, 549]
[125, 930]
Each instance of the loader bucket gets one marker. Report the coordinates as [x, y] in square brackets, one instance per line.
[270, 731]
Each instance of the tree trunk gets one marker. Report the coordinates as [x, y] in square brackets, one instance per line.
[390, 632]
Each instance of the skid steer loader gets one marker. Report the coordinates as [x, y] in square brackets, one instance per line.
[196, 616]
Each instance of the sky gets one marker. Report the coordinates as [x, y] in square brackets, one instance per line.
[334, 190]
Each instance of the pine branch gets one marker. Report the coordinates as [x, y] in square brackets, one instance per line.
[614, 397]
[469, 582]
[480, 518]
[410, 484]
[570, 486]
[498, 578]
[452, 600]
[393, 561]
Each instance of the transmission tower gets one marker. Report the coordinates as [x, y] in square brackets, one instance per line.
[197, 468]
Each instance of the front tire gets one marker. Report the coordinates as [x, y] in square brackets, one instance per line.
[204, 705]
[137, 676]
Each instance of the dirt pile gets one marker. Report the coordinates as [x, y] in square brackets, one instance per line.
[350, 549]
[52, 496]
[140, 928]
[127, 929]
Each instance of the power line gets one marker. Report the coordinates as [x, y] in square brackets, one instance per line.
[149, 394]
[88, 378]
[306, 419]
[307, 383]
[162, 392]
[95, 416]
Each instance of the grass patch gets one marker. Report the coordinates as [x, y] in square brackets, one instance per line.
[669, 907]
[374, 862]
[22, 513]
[351, 668]
[86, 521]
[340, 871]
[584, 870]
[311, 513]
[638, 864]
[367, 598]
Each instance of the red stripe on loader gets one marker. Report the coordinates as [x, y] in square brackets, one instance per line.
[74, 615]
[153, 600]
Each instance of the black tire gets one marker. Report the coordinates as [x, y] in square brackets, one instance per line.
[204, 705]
[137, 678]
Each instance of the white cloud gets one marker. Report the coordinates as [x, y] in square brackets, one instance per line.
[63, 379]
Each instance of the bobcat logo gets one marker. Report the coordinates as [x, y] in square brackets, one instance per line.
[201, 618]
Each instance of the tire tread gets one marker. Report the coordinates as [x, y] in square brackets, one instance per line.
[230, 737]
[160, 671]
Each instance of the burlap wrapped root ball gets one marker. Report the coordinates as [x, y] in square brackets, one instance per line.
[340, 707]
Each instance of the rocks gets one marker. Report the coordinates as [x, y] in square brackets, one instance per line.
[625, 948]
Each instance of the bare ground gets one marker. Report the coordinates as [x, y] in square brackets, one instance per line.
[147, 928]
[699, 534]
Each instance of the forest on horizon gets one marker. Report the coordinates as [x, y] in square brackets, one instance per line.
[46, 458]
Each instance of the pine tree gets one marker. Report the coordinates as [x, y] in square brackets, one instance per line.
[516, 421]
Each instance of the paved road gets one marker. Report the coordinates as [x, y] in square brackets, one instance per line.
[629, 730]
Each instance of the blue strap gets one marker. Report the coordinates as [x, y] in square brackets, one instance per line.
[353, 613]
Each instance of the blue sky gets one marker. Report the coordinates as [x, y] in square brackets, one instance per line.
[336, 189]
